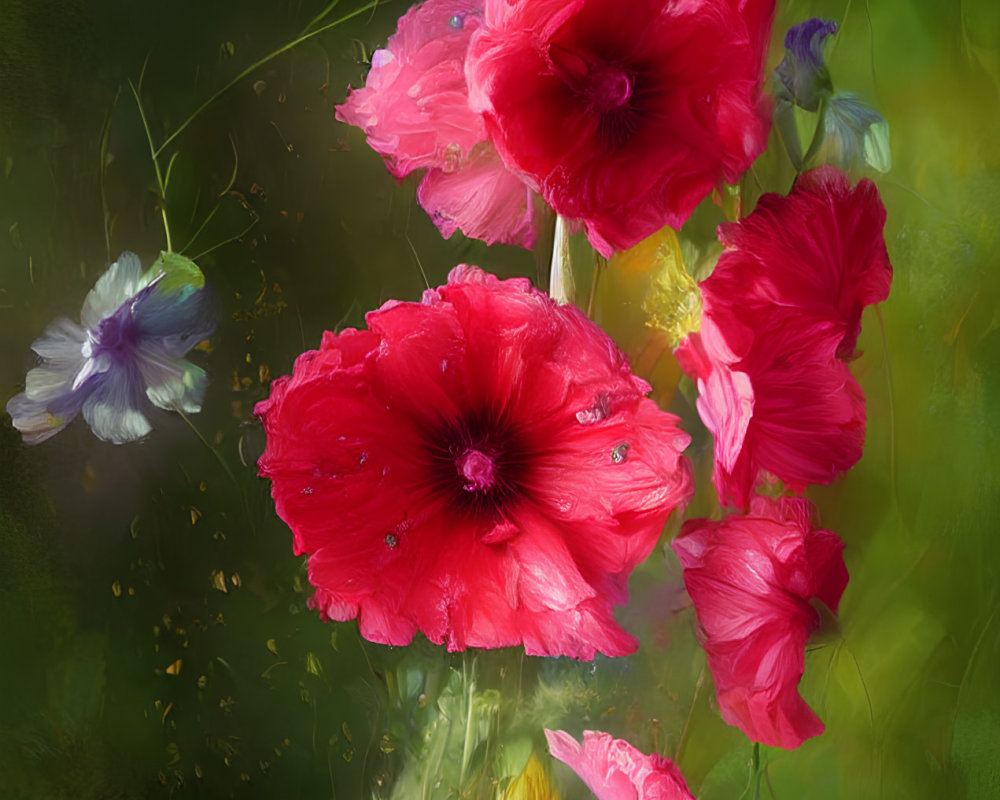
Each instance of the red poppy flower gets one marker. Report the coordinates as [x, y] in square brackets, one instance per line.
[614, 770]
[481, 466]
[751, 578]
[625, 118]
[782, 313]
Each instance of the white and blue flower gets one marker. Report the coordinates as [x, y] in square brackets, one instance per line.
[128, 350]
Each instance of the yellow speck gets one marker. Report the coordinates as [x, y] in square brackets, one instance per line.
[236, 580]
[175, 668]
[272, 645]
[219, 580]
[116, 589]
[195, 515]
[167, 710]
[313, 665]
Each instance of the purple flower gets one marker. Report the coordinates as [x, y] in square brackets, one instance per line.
[802, 75]
[135, 327]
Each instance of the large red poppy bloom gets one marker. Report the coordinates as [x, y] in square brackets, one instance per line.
[782, 313]
[623, 117]
[481, 466]
[751, 578]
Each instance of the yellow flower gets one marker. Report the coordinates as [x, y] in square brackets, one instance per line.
[531, 784]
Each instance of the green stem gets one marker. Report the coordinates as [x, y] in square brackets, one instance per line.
[756, 771]
[259, 63]
[204, 441]
[153, 152]
[468, 673]
[687, 722]
[818, 134]
[561, 287]
[600, 262]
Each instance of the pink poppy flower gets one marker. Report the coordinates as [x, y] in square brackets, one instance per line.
[481, 466]
[782, 313]
[414, 109]
[615, 770]
[751, 578]
[623, 118]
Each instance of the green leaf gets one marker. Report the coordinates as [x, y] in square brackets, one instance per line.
[179, 272]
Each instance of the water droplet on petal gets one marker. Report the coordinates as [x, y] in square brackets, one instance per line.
[457, 21]
[596, 412]
[391, 540]
[620, 453]
[308, 490]
[362, 459]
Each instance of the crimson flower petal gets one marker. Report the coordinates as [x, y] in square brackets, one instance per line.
[782, 313]
[751, 578]
[481, 466]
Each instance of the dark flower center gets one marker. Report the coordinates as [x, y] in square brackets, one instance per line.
[480, 463]
[606, 87]
[610, 88]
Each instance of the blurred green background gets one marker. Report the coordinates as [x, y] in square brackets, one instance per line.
[155, 637]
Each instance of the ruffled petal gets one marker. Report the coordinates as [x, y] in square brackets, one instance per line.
[751, 578]
[481, 198]
[615, 770]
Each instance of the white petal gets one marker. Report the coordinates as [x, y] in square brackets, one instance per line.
[32, 419]
[112, 411]
[45, 383]
[121, 281]
[173, 385]
[62, 341]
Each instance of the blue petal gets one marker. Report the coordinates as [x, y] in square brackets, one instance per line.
[856, 135]
[181, 317]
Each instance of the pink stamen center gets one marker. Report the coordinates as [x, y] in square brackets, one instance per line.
[477, 468]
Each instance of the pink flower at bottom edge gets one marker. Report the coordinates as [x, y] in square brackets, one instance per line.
[615, 770]
[414, 110]
[751, 578]
[481, 466]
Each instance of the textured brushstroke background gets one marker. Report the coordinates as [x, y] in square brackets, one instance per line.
[155, 640]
